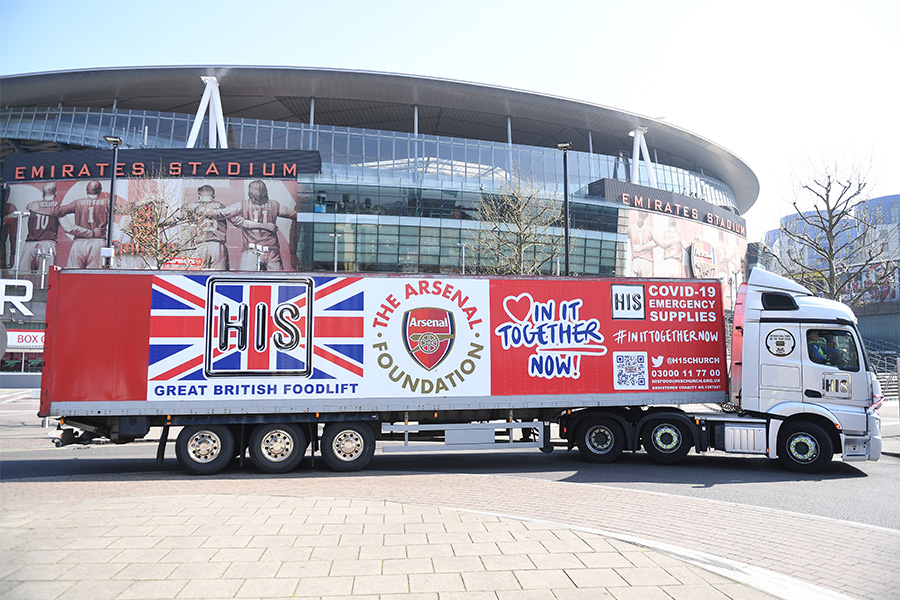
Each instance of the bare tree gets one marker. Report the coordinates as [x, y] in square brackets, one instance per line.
[520, 230]
[154, 226]
[830, 244]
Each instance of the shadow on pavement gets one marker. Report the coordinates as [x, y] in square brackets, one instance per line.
[704, 471]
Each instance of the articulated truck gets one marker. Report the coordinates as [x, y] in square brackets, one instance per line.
[280, 365]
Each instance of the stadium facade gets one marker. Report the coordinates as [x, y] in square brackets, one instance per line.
[320, 169]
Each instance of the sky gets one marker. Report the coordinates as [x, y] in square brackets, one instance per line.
[788, 86]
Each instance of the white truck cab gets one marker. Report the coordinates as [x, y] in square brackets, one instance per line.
[799, 363]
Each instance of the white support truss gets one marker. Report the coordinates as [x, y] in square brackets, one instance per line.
[213, 101]
[640, 146]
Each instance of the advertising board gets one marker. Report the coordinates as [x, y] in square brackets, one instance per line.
[351, 342]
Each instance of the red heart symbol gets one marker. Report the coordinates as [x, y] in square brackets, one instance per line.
[518, 305]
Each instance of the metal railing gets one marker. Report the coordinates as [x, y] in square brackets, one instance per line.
[883, 355]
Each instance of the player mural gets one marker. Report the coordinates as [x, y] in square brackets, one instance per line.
[666, 246]
[66, 225]
[161, 223]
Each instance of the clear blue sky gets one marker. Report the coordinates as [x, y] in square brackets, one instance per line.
[779, 83]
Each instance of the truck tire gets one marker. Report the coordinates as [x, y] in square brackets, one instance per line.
[666, 441]
[600, 440]
[804, 447]
[347, 446]
[204, 449]
[277, 447]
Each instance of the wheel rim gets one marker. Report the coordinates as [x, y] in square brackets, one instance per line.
[600, 439]
[666, 438]
[803, 447]
[348, 445]
[277, 445]
[204, 446]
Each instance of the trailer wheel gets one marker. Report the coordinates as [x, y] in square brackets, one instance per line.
[600, 440]
[204, 449]
[277, 447]
[666, 442]
[347, 446]
[804, 447]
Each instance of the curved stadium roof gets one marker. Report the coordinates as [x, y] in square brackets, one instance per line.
[384, 101]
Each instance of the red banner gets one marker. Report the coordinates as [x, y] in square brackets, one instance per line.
[582, 337]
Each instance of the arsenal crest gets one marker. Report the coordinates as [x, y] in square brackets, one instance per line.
[703, 260]
[428, 335]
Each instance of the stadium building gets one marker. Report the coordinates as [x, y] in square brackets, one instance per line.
[321, 169]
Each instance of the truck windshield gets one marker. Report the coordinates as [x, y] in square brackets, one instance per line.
[832, 347]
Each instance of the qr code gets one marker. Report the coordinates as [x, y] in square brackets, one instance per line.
[631, 371]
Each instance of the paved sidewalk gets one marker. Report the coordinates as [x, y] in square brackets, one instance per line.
[384, 535]
[258, 546]
[165, 531]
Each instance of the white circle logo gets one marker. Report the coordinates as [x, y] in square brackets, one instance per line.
[780, 342]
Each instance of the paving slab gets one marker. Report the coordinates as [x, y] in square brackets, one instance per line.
[535, 559]
[439, 536]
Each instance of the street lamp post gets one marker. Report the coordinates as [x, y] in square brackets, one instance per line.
[336, 237]
[463, 246]
[260, 251]
[44, 254]
[18, 215]
[565, 147]
[115, 142]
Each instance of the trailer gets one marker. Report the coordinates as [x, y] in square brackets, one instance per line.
[281, 364]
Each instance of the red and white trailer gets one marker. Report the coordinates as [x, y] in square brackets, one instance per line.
[277, 363]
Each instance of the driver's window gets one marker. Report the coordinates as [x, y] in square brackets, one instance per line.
[832, 347]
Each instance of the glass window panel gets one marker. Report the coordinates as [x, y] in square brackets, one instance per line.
[370, 147]
[524, 162]
[551, 166]
[180, 130]
[11, 362]
[386, 147]
[279, 138]
[339, 143]
[355, 144]
[500, 157]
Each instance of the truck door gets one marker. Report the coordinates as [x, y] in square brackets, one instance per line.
[779, 364]
[833, 374]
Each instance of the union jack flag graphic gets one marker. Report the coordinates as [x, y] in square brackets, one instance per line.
[177, 328]
[338, 328]
[214, 326]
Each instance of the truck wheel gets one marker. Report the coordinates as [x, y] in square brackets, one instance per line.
[204, 449]
[666, 442]
[277, 448]
[600, 440]
[347, 446]
[804, 447]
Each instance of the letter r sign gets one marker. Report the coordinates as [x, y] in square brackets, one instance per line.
[17, 300]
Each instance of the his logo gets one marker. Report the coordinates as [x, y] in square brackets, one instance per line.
[428, 334]
[258, 326]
